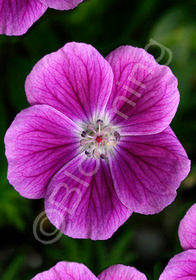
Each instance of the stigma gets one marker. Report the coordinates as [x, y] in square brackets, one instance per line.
[98, 139]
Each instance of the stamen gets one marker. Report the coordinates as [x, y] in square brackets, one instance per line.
[102, 156]
[83, 142]
[96, 154]
[117, 136]
[83, 134]
[88, 154]
[91, 127]
[98, 140]
[99, 121]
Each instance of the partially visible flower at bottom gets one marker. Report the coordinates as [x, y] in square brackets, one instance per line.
[76, 271]
[96, 142]
[183, 265]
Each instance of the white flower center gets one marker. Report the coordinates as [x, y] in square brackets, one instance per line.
[98, 139]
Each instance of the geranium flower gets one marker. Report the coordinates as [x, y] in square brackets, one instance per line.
[72, 271]
[16, 17]
[187, 229]
[183, 265]
[96, 143]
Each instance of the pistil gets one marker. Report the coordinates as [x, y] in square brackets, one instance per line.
[99, 139]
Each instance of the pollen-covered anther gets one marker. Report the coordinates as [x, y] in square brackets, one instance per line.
[83, 134]
[99, 122]
[102, 156]
[88, 154]
[98, 139]
[117, 136]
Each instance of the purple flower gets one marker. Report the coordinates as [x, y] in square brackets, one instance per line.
[96, 142]
[16, 17]
[71, 270]
[187, 229]
[183, 265]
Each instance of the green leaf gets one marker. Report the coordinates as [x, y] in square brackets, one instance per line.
[13, 268]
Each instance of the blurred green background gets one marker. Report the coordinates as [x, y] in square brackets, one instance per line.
[146, 242]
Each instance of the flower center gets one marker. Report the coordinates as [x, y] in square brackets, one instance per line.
[98, 139]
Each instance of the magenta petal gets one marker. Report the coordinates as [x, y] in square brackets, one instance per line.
[76, 80]
[187, 229]
[145, 97]
[181, 266]
[121, 272]
[38, 143]
[147, 170]
[16, 17]
[62, 4]
[81, 200]
[68, 271]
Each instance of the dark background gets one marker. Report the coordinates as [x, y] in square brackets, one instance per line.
[146, 242]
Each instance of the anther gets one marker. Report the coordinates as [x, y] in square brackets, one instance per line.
[99, 121]
[83, 134]
[102, 156]
[117, 136]
[88, 154]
